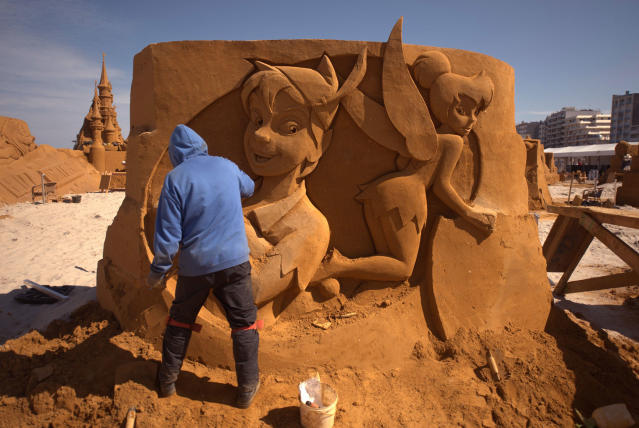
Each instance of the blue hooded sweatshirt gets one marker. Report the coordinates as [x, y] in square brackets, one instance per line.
[200, 210]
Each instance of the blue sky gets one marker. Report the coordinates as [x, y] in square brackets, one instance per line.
[564, 52]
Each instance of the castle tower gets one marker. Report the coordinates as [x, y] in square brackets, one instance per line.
[109, 134]
[106, 97]
[103, 101]
[97, 155]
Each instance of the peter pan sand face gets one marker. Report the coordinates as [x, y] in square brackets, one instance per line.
[277, 141]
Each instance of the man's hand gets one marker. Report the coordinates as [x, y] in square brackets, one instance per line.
[156, 281]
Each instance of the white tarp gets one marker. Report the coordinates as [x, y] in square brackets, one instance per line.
[583, 151]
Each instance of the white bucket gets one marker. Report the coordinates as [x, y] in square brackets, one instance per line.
[323, 416]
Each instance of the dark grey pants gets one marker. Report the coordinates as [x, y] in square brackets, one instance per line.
[232, 287]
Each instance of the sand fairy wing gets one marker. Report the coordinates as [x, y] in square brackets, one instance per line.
[404, 104]
[371, 118]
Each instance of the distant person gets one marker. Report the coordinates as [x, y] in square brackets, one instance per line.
[200, 213]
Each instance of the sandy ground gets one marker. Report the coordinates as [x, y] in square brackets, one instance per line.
[53, 244]
[616, 310]
[85, 371]
[559, 191]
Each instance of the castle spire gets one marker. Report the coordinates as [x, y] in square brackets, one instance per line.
[95, 114]
[104, 79]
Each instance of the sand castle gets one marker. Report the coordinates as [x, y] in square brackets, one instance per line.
[100, 136]
[99, 141]
[406, 167]
[537, 173]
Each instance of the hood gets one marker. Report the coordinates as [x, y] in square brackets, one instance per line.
[186, 144]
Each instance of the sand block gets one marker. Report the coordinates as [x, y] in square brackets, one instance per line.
[628, 192]
[366, 176]
[500, 282]
[536, 175]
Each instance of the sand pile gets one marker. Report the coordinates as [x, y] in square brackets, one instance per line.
[87, 371]
[68, 168]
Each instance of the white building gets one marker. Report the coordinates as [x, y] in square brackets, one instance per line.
[570, 126]
[586, 129]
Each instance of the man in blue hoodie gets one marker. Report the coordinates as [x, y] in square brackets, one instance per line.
[200, 213]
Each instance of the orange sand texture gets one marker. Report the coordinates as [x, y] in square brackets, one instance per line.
[375, 348]
[388, 370]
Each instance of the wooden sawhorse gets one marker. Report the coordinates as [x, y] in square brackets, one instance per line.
[572, 233]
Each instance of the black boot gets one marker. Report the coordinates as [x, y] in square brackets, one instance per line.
[245, 344]
[246, 394]
[176, 340]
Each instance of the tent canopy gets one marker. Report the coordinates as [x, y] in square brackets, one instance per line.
[583, 151]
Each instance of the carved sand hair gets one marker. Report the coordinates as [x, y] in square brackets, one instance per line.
[316, 89]
[432, 71]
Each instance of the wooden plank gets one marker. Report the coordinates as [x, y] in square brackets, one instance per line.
[555, 236]
[570, 240]
[602, 282]
[603, 215]
[577, 254]
[616, 245]
[628, 219]
[45, 290]
[105, 181]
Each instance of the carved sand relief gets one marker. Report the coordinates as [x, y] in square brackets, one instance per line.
[395, 205]
[15, 139]
[373, 162]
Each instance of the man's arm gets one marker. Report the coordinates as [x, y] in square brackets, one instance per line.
[247, 186]
[168, 229]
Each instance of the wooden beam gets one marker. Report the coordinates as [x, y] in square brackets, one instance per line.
[610, 240]
[603, 215]
[602, 282]
[566, 239]
[576, 258]
[555, 236]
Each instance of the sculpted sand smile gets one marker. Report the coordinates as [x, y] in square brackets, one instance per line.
[262, 159]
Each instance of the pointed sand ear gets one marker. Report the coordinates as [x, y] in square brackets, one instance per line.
[262, 66]
[326, 69]
[354, 79]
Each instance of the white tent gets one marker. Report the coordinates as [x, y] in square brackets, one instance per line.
[583, 151]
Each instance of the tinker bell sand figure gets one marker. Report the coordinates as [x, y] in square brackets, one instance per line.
[291, 110]
[395, 205]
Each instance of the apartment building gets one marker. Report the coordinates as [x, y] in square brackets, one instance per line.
[529, 129]
[572, 127]
[625, 117]
[585, 129]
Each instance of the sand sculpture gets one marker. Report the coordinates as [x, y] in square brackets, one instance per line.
[616, 168]
[375, 163]
[15, 139]
[550, 169]
[628, 193]
[536, 173]
[23, 163]
[67, 168]
[100, 136]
